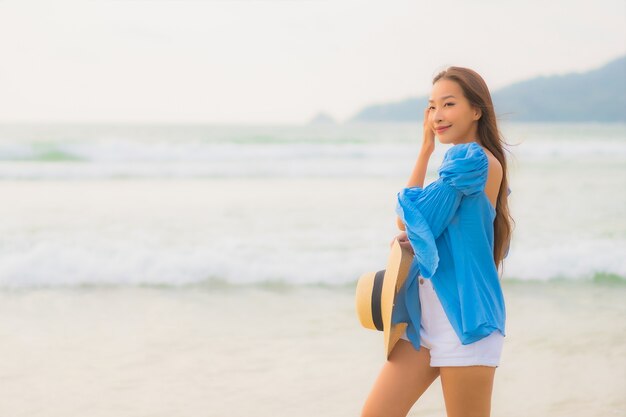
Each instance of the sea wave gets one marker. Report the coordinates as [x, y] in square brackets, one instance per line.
[180, 159]
[122, 263]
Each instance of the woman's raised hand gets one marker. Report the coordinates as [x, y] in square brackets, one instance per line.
[428, 144]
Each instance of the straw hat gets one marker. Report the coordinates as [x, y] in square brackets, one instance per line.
[376, 292]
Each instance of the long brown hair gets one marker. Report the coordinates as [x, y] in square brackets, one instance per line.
[476, 91]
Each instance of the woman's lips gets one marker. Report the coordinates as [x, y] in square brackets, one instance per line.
[442, 129]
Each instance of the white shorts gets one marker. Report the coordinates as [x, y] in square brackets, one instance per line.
[446, 349]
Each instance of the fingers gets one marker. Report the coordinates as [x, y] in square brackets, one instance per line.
[407, 245]
[402, 238]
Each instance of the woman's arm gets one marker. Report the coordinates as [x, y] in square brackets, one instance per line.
[421, 165]
[419, 170]
[417, 176]
[427, 211]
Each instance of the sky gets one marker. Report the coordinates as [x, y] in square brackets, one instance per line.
[278, 61]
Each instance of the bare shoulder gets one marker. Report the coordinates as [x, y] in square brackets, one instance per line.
[494, 164]
[494, 177]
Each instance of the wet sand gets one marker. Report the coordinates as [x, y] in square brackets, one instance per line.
[272, 350]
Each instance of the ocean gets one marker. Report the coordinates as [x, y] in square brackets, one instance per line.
[192, 270]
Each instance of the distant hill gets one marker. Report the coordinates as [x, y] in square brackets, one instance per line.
[322, 118]
[595, 96]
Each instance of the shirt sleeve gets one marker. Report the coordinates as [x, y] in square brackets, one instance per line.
[426, 212]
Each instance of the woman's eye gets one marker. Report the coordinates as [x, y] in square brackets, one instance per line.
[432, 107]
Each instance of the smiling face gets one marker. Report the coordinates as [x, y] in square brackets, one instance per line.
[449, 107]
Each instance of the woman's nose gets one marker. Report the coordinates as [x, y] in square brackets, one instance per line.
[437, 116]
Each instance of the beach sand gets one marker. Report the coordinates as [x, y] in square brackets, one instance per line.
[270, 350]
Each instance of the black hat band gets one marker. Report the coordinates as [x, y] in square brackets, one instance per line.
[377, 315]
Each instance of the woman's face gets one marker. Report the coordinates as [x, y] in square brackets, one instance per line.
[449, 107]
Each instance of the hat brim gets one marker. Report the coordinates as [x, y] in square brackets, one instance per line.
[396, 273]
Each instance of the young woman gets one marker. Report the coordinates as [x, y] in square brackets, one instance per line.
[459, 228]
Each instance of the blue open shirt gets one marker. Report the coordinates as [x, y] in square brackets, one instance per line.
[449, 224]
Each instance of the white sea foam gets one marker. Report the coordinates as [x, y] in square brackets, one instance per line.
[122, 263]
[352, 150]
[227, 209]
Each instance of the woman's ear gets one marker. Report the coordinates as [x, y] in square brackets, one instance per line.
[477, 113]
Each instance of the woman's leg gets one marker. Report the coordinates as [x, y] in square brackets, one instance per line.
[403, 379]
[467, 390]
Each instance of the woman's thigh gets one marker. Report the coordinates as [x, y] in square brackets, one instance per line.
[402, 380]
[467, 390]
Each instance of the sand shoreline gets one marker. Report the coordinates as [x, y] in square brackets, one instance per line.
[253, 351]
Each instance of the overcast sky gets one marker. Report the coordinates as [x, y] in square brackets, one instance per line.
[262, 61]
